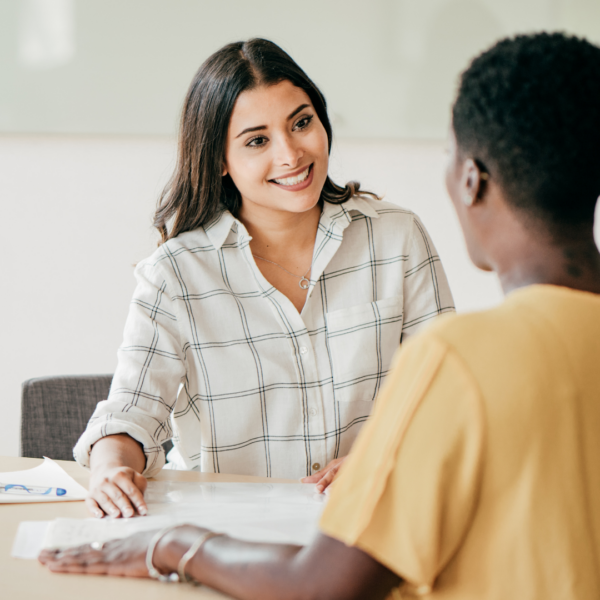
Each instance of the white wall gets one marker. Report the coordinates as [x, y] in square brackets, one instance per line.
[387, 67]
[77, 216]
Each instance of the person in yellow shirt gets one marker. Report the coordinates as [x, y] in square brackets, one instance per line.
[477, 476]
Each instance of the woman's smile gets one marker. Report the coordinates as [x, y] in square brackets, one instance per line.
[299, 180]
[276, 142]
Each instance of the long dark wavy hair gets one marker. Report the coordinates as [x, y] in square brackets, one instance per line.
[197, 191]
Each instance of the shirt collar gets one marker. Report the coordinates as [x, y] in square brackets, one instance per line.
[339, 215]
[219, 229]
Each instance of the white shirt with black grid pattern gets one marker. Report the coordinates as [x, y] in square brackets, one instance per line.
[217, 358]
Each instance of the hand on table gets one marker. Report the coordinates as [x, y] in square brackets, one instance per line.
[117, 492]
[125, 557]
[324, 477]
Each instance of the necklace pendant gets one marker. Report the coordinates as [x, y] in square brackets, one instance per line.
[304, 283]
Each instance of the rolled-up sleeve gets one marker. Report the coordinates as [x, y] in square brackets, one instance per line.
[150, 369]
[426, 290]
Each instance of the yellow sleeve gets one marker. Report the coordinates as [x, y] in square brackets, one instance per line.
[409, 488]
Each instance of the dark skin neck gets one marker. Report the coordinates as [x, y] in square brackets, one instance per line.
[524, 250]
[530, 259]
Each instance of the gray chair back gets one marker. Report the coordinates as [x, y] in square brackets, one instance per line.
[55, 412]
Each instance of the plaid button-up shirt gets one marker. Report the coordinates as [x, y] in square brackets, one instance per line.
[217, 358]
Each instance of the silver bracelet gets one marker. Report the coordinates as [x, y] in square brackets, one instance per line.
[193, 549]
[152, 570]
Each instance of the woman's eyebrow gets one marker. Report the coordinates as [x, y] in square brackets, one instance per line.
[261, 127]
[249, 129]
[293, 114]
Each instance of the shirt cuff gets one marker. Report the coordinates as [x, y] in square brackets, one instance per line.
[155, 454]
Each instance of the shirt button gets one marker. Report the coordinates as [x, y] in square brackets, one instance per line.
[303, 349]
[313, 412]
[316, 467]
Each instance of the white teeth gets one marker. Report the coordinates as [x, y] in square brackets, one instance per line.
[293, 180]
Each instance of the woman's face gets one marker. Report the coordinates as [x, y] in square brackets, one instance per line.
[277, 149]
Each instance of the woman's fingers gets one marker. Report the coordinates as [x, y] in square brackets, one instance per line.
[47, 555]
[132, 485]
[313, 478]
[119, 492]
[140, 483]
[118, 497]
[105, 501]
[77, 559]
[319, 475]
[67, 567]
[121, 557]
[93, 507]
[325, 481]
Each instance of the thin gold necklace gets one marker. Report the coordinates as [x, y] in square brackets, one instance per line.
[304, 283]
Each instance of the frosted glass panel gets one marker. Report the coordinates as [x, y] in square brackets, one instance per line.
[387, 67]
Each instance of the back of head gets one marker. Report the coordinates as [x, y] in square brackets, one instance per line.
[528, 110]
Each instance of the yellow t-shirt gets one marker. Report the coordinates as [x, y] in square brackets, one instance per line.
[478, 474]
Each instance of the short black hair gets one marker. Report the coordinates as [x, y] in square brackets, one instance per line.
[528, 110]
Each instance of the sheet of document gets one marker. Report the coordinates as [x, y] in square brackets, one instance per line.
[160, 493]
[47, 476]
[262, 512]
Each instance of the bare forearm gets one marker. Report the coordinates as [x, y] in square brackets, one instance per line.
[117, 450]
[326, 569]
[251, 571]
[242, 570]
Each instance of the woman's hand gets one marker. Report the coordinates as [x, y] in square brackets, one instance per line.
[116, 484]
[125, 557]
[324, 477]
[117, 491]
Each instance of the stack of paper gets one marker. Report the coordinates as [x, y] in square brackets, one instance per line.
[265, 512]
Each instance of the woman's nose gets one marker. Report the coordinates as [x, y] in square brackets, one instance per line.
[287, 151]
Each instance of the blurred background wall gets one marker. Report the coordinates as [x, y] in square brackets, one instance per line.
[90, 93]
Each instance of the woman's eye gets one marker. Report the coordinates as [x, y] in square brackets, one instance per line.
[304, 122]
[257, 141]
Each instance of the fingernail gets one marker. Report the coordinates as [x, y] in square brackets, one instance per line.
[98, 514]
[143, 511]
[128, 513]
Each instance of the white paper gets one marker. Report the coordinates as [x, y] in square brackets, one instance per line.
[281, 523]
[262, 512]
[50, 475]
[266, 494]
[29, 539]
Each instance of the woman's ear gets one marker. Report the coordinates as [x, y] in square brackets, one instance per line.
[224, 170]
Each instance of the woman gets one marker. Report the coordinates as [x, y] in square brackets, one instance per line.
[483, 482]
[261, 329]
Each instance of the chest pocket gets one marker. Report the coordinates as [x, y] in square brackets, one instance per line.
[362, 341]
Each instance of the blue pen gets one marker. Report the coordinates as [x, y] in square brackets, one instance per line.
[30, 490]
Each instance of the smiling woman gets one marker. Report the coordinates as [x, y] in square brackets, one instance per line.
[240, 75]
[261, 329]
